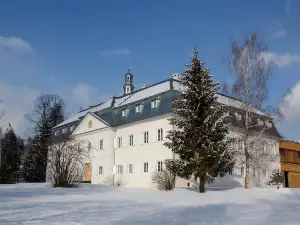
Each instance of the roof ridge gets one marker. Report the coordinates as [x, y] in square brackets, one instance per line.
[141, 89]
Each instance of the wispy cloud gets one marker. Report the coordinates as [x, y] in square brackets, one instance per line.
[282, 60]
[12, 46]
[280, 33]
[116, 52]
[17, 101]
[287, 6]
[291, 111]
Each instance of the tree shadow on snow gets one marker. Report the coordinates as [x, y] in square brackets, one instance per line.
[48, 190]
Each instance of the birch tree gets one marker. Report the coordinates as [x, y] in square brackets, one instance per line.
[252, 73]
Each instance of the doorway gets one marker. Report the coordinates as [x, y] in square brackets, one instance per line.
[286, 179]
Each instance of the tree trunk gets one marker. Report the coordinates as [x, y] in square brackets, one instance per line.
[247, 176]
[202, 184]
[174, 180]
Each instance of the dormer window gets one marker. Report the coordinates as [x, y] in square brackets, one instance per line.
[64, 130]
[269, 124]
[260, 122]
[154, 103]
[238, 116]
[138, 109]
[72, 128]
[124, 112]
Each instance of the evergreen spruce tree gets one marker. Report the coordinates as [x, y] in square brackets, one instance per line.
[34, 162]
[199, 137]
[49, 110]
[276, 178]
[9, 166]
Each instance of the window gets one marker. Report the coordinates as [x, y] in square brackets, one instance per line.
[264, 173]
[101, 144]
[64, 130]
[159, 166]
[265, 148]
[120, 142]
[71, 128]
[242, 171]
[238, 116]
[159, 134]
[145, 167]
[89, 146]
[56, 132]
[131, 140]
[226, 114]
[100, 170]
[124, 112]
[129, 168]
[260, 122]
[268, 124]
[154, 103]
[138, 108]
[254, 172]
[188, 184]
[230, 172]
[146, 137]
[119, 169]
[274, 150]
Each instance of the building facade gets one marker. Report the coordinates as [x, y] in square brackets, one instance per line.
[290, 163]
[126, 135]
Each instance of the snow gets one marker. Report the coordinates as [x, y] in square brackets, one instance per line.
[220, 98]
[99, 204]
[143, 93]
[76, 117]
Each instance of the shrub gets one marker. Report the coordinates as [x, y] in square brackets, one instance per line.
[276, 178]
[164, 180]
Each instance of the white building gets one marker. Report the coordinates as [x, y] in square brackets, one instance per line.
[126, 135]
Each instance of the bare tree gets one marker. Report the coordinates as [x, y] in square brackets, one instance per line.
[164, 180]
[48, 111]
[252, 72]
[66, 160]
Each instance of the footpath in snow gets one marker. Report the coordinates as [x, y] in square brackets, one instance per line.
[98, 204]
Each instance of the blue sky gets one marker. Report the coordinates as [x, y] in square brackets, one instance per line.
[81, 49]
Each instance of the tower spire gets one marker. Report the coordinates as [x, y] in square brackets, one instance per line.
[128, 86]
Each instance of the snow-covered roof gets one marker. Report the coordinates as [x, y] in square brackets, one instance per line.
[143, 93]
[82, 113]
[221, 98]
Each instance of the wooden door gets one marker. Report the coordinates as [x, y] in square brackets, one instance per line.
[88, 172]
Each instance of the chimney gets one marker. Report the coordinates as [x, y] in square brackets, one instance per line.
[144, 85]
[175, 76]
[111, 97]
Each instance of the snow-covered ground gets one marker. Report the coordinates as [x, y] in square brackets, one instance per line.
[97, 204]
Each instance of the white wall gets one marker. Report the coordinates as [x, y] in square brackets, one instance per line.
[151, 152]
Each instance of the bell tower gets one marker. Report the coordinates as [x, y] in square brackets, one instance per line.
[128, 86]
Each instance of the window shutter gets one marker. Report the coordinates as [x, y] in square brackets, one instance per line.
[142, 138]
[155, 136]
[115, 142]
[114, 169]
